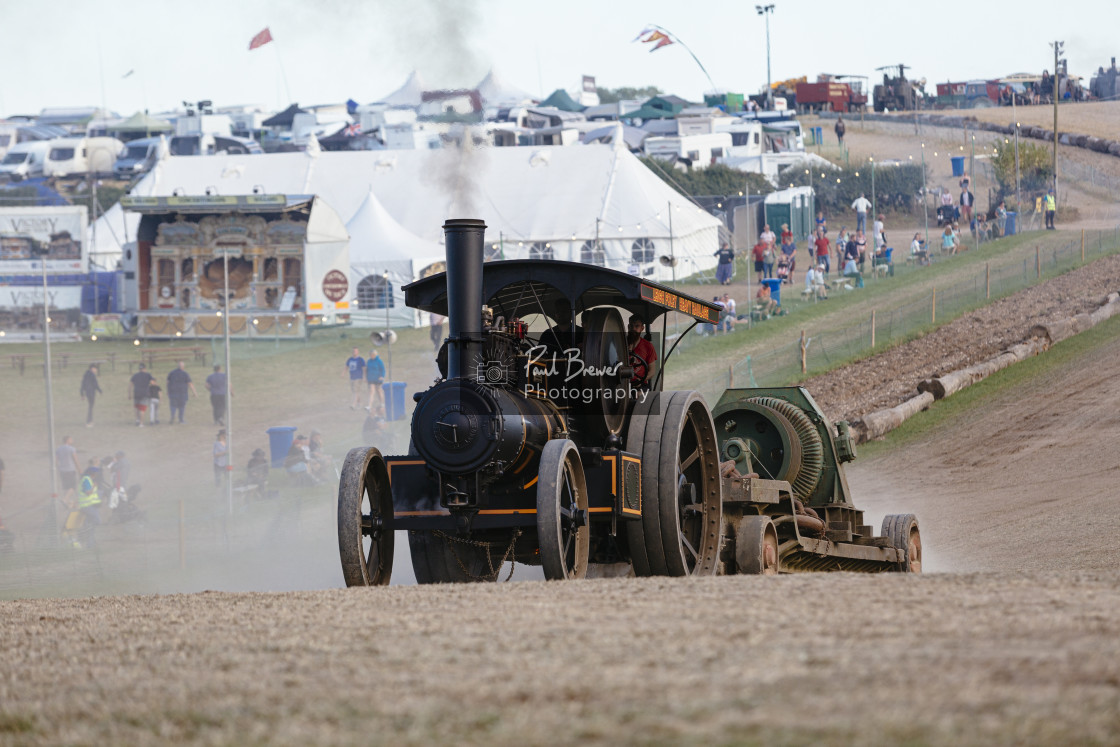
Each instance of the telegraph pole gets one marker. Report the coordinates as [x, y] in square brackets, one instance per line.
[766, 10]
[1056, 94]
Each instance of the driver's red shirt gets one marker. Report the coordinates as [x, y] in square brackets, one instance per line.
[644, 349]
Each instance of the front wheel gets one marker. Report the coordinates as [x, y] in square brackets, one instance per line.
[365, 519]
[562, 518]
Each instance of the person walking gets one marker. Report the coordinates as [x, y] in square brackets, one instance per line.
[840, 128]
[375, 377]
[1051, 210]
[356, 369]
[216, 385]
[861, 206]
[179, 388]
[89, 390]
[66, 459]
[154, 390]
[725, 268]
[823, 250]
[139, 391]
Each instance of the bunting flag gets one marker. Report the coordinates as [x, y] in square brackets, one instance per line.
[645, 31]
[260, 39]
[664, 42]
[654, 37]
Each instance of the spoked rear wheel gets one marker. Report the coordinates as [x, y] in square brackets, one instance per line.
[365, 519]
[562, 527]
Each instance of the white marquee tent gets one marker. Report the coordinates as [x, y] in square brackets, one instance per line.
[383, 250]
[592, 203]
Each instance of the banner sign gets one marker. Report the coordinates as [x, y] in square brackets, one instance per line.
[36, 236]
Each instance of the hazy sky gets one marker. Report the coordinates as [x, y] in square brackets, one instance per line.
[74, 53]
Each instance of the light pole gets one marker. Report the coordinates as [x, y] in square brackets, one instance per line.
[925, 195]
[388, 330]
[766, 10]
[50, 393]
[1055, 94]
[229, 385]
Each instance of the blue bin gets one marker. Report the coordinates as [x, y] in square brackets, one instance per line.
[394, 399]
[280, 439]
[958, 165]
[1011, 226]
[775, 286]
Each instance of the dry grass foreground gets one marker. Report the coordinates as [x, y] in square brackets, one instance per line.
[1020, 646]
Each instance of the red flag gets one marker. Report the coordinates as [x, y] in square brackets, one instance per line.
[654, 37]
[260, 39]
[661, 44]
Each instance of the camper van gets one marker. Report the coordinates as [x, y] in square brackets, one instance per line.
[24, 160]
[80, 155]
[137, 158]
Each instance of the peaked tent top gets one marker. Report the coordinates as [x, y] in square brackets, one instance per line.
[496, 92]
[562, 101]
[408, 94]
[378, 236]
[141, 122]
[284, 118]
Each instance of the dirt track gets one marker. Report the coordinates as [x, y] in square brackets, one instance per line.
[1019, 643]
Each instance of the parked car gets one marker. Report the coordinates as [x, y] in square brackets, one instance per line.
[137, 157]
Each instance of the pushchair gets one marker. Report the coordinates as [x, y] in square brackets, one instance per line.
[945, 214]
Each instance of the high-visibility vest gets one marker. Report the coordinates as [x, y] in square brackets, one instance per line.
[1049, 203]
[85, 500]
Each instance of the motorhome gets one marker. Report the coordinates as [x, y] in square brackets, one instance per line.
[81, 155]
[24, 160]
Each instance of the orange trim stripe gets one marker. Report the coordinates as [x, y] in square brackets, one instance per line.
[530, 484]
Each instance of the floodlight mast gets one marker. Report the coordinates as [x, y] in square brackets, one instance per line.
[766, 10]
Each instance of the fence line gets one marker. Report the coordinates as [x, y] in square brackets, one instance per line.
[825, 349]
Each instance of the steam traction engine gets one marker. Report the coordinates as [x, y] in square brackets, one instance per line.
[547, 442]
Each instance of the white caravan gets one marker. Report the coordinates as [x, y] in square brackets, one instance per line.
[81, 155]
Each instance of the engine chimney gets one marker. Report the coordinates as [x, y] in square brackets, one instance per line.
[464, 240]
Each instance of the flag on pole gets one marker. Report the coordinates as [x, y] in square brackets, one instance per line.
[260, 39]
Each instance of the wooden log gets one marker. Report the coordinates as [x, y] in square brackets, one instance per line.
[875, 424]
[954, 381]
[1107, 311]
[1055, 331]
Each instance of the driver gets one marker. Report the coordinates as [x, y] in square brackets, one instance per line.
[642, 353]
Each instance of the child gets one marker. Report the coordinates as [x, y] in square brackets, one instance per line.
[153, 403]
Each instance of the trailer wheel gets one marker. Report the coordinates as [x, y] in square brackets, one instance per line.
[756, 546]
[562, 519]
[902, 530]
[365, 519]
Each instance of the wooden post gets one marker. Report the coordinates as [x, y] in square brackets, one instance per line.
[731, 376]
[1037, 262]
[182, 535]
[803, 366]
[1082, 245]
[873, 329]
[933, 307]
[987, 280]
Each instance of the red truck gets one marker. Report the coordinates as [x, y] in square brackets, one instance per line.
[832, 93]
